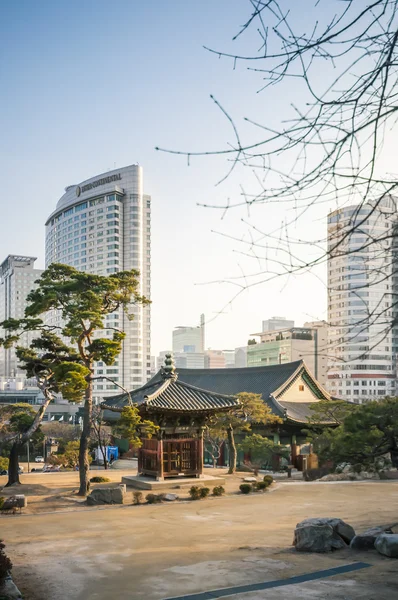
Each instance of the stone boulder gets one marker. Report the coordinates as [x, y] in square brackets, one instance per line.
[387, 544]
[106, 496]
[250, 479]
[9, 591]
[366, 540]
[170, 497]
[322, 535]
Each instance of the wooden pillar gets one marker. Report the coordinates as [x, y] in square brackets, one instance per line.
[160, 476]
[200, 454]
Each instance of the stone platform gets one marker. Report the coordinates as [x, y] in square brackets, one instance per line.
[141, 482]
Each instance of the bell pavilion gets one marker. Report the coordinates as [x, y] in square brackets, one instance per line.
[181, 411]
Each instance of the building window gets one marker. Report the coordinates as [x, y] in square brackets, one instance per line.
[301, 388]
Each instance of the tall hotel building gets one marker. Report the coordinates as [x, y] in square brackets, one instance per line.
[361, 290]
[103, 225]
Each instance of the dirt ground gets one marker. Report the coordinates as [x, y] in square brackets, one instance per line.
[63, 550]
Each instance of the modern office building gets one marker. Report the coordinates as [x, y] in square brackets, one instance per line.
[189, 339]
[103, 225]
[276, 323]
[361, 290]
[215, 359]
[285, 346]
[17, 279]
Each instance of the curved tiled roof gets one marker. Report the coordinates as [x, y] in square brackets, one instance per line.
[175, 395]
[270, 382]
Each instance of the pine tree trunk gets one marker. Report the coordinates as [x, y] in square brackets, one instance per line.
[232, 450]
[13, 465]
[84, 465]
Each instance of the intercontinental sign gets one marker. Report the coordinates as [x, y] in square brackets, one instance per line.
[97, 183]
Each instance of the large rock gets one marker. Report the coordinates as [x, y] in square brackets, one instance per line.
[106, 496]
[317, 538]
[366, 540]
[387, 544]
[345, 531]
[9, 591]
[322, 534]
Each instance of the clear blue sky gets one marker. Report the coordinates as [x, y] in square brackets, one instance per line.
[89, 84]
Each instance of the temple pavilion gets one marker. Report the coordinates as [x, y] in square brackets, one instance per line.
[181, 411]
[187, 401]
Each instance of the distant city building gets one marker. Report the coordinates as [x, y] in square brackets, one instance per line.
[285, 346]
[214, 359]
[189, 339]
[276, 323]
[17, 279]
[182, 360]
[362, 291]
[102, 226]
[229, 357]
[241, 357]
[320, 349]
[21, 390]
[189, 360]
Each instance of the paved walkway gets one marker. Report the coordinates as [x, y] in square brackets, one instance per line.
[168, 551]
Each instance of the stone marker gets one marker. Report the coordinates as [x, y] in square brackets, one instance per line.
[387, 544]
[322, 535]
[106, 496]
[366, 540]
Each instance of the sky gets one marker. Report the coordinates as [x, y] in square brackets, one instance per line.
[92, 85]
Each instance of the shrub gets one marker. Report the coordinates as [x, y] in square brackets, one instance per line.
[5, 563]
[245, 488]
[99, 479]
[1, 502]
[254, 486]
[218, 490]
[137, 497]
[268, 479]
[262, 486]
[3, 463]
[204, 492]
[195, 493]
[153, 498]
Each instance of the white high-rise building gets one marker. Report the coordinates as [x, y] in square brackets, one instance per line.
[17, 277]
[103, 225]
[361, 364]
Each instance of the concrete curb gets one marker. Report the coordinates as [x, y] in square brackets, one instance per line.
[9, 591]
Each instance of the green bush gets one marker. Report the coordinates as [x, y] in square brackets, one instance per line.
[153, 498]
[218, 490]
[245, 488]
[194, 492]
[3, 463]
[99, 479]
[262, 486]
[137, 497]
[5, 563]
[204, 492]
[268, 479]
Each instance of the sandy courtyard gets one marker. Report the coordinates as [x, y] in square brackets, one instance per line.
[167, 551]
